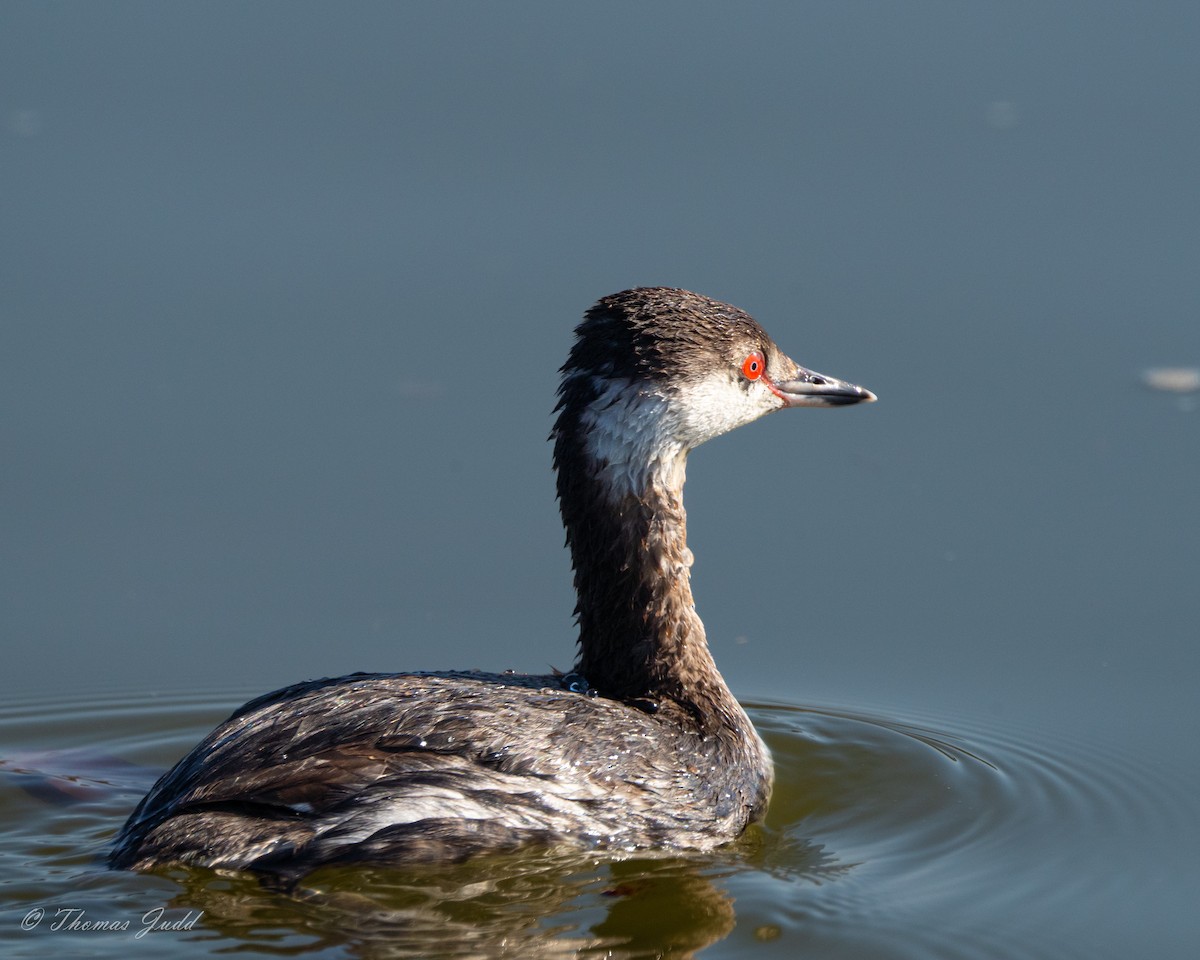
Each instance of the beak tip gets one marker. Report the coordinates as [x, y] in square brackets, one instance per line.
[809, 389]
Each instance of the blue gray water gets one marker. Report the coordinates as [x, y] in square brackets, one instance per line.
[886, 836]
[283, 291]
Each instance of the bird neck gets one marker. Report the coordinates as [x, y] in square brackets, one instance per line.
[639, 635]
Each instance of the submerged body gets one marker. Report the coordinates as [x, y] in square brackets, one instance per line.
[644, 746]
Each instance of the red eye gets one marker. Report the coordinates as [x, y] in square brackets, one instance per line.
[754, 366]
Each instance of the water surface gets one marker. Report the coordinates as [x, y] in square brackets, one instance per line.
[283, 291]
[886, 836]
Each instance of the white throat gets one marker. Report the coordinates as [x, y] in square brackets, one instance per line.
[637, 435]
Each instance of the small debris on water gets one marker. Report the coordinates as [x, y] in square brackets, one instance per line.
[1173, 379]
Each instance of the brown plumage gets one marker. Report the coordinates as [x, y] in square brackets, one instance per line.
[643, 746]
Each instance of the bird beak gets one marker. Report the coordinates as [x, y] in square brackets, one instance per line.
[810, 389]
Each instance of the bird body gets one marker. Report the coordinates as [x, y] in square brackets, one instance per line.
[642, 746]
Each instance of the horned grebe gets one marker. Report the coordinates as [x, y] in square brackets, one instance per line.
[642, 745]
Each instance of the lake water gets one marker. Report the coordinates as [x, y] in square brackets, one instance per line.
[888, 837]
[283, 293]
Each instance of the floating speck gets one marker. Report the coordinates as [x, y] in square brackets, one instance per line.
[418, 389]
[24, 123]
[1002, 115]
[1173, 379]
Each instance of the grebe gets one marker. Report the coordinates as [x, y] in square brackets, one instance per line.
[642, 745]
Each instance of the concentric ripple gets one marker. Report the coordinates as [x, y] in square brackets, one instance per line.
[887, 836]
[982, 826]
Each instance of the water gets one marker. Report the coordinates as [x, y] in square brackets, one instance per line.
[888, 837]
[283, 291]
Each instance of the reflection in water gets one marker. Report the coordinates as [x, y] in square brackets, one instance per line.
[514, 906]
[884, 838]
[530, 905]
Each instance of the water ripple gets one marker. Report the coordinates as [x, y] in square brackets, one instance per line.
[981, 826]
[888, 836]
